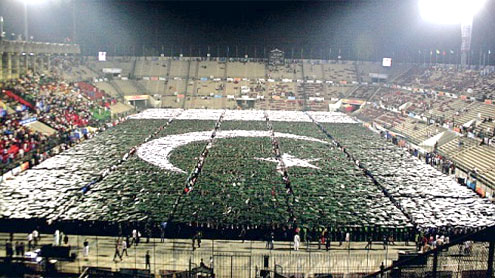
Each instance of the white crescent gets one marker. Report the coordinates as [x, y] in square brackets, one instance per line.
[158, 151]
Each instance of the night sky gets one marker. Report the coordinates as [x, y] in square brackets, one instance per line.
[321, 28]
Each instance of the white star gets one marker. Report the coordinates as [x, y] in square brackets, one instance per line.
[291, 161]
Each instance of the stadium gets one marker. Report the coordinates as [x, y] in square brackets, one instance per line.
[361, 150]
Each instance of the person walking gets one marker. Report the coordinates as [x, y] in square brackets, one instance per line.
[328, 241]
[147, 259]
[36, 237]
[370, 243]
[297, 241]
[272, 240]
[86, 249]
[9, 252]
[163, 226]
[117, 251]
[61, 238]
[30, 241]
[56, 238]
[348, 239]
[124, 249]
[308, 239]
[135, 237]
[242, 234]
[194, 242]
[321, 238]
[17, 249]
[199, 235]
[22, 248]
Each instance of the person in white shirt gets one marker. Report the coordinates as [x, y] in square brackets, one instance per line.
[36, 237]
[30, 241]
[124, 248]
[297, 242]
[86, 249]
[348, 239]
[56, 238]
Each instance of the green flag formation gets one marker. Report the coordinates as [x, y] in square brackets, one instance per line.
[225, 169]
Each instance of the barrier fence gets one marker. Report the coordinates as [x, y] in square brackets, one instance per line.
[226, 258]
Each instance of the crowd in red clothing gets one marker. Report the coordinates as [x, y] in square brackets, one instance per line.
[17, 140]
[54, 102]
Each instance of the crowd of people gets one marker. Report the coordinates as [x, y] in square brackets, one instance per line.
[16, 139]
[36, 97]
[473, 80]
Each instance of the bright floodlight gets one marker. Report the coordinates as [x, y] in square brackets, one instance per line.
[32, 2]
[449, 11]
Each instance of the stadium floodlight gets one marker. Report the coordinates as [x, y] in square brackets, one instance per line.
[453, 12]
[33, 2]
[449, 11]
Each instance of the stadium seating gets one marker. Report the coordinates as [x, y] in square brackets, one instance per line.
[55, 111]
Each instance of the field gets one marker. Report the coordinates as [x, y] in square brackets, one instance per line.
[312, 184]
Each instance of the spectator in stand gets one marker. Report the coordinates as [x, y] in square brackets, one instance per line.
[49, 100]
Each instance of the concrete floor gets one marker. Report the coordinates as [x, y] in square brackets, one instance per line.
[230, 258]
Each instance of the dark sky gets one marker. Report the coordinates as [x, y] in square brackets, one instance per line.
[378, 27]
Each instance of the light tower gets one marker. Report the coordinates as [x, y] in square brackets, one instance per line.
[453, 12]
[26, 4]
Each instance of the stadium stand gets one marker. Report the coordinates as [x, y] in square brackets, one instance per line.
[420, 116]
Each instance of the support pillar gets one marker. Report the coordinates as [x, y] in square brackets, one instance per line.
[1, 66]
[33, 63]
[48, 62]
[26, 63]
[20, 66]
[41, 67]
[15, 65]
[9, 66]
